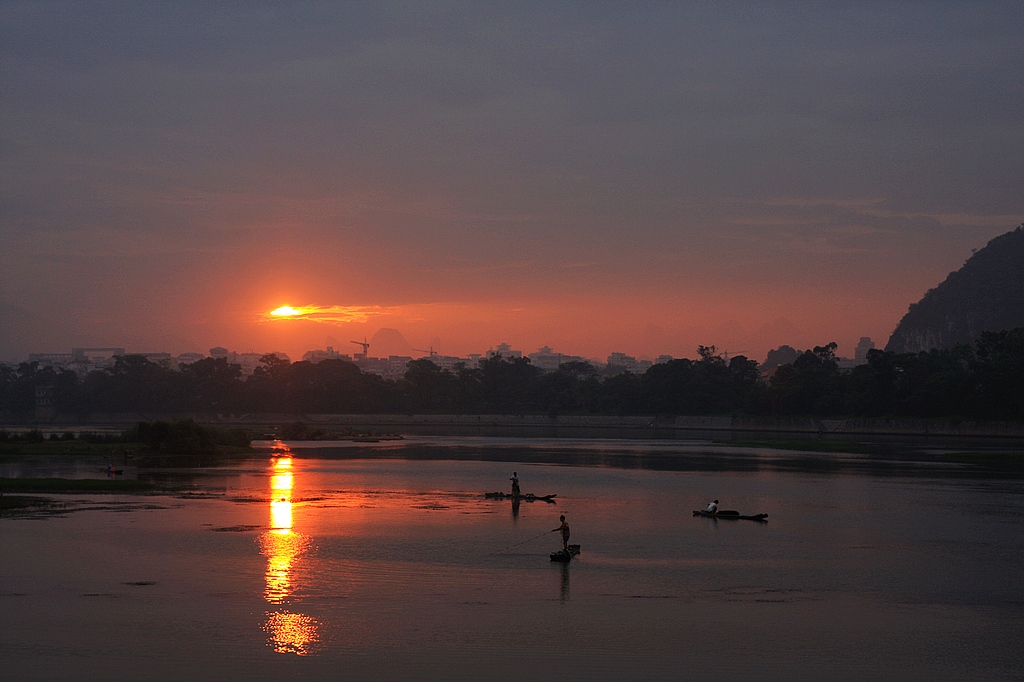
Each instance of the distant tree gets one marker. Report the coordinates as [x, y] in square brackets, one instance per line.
[428, 388]
[709, 354]
[783, 355]
[569, 389]
[213, 385]
[271, 363]
[999, 368]
[809, 386]
[507, 385]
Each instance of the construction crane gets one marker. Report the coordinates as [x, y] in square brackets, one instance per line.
[431, 352]
[365, 344]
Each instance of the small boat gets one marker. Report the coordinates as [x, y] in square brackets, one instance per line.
[729, 514]
[529, 497]
[564, 557]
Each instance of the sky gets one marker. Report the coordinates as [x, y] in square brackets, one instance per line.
[596, 177]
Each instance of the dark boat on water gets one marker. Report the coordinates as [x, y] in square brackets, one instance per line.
[729, 514]
[528, 497]
[564, 557]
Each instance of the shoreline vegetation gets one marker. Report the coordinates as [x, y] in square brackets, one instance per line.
[76, 485]
[21, 494]
[979, 381]
[182, 437]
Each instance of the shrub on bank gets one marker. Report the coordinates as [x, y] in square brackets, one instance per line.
[184, 436]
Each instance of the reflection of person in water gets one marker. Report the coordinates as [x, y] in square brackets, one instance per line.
[565, 533]
[515, 484]
[565, 582]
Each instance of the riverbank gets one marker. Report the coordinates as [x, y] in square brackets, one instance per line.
[74, 485]
[21, 495]
[575, 426]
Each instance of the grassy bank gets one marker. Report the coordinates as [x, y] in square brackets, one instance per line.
[68, 485]
[1012, 461]
[71, 447]
[811, 446]
[13, 504]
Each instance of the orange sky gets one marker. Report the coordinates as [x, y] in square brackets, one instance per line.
[642, 181]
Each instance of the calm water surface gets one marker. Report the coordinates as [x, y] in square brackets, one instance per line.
[386, 562]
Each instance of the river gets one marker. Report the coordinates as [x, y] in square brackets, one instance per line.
[385, 561]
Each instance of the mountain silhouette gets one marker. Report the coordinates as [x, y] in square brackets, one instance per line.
[986, 294]
[389, 342]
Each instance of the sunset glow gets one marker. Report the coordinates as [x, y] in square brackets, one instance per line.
[335, 314]
[644, 195]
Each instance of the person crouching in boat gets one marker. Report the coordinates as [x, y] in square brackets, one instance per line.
[712, 508]
[565, 533]
[515, 484]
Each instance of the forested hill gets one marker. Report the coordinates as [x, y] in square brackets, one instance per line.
[986, 294]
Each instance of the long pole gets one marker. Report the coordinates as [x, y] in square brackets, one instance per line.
[521, 543]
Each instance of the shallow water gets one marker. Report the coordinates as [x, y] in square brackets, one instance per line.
[330, 563]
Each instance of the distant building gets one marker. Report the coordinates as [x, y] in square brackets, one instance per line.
[247, 361]
[162, 359]
[448, 363]
[866, 344]
[189, 358]
[505, 351]
[250, 360]
[45, 408]
[860, 356]
[316, 356]
[85, 360]
[379, 366]
[622, 362]
[549, 361]
[55, 360]
[397, 366]
[80, 360]
[86, 355]
[663, 359]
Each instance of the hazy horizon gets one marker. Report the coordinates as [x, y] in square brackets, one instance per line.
[595, 178]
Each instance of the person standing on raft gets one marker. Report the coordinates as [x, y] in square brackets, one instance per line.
[712, 508]
[515, 485]
[565, 533]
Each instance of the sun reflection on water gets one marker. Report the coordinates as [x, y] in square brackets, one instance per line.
[290, 633]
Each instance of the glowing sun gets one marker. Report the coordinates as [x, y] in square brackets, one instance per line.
[331, 313]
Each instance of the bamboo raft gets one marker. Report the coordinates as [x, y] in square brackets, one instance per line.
[528, 497]
[564, 557]
[729, 514]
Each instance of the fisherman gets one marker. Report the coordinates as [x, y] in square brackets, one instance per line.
[565, 533]
[515, 485]
[712, 508]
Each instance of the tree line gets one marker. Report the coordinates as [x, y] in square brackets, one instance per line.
[980, 381]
